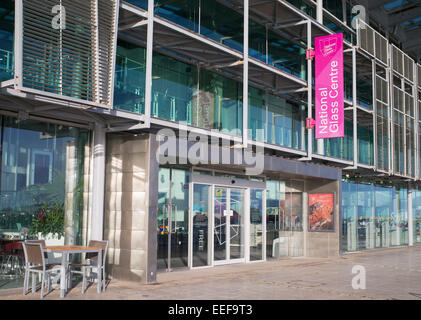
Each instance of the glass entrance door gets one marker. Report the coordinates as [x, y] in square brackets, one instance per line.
[227, 224]
[172, 222]
[228, 228]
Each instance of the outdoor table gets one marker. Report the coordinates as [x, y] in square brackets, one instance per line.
[68, 249]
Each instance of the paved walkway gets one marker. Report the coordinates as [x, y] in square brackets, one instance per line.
[391, 274]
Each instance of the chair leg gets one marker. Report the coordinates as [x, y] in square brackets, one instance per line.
[43, 285]
[48, 283]
[84, 280]
[69, 282]
[25, 282]
[103, 279]
[34, 282]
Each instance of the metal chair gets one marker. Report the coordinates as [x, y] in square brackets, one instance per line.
[12, 263]
[35, 264]
[92, 258]
[43, 245]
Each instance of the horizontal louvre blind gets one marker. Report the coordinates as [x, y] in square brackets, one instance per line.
[373, 42]
[74, 57]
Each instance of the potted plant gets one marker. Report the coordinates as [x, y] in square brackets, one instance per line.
[49, 225]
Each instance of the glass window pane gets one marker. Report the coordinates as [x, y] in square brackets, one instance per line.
[202, 251]
[285, 123]
[220, 103]
[257, 41]
[256, 225]
[416, 204]
[41, 180]
[173, 86]
[129, 86]
[273, 198]
[180, 217]
[7, 28]
[257, 114]
[222, 24]
[286, 55]
[164, 180]
[182, 12]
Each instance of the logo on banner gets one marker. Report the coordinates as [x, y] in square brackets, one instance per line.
[328, 46]
[329, 87]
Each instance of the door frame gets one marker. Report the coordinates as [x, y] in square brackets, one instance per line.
[227, 183]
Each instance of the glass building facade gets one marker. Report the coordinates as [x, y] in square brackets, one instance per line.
[183, 93]
[196, 81]
[376, 215]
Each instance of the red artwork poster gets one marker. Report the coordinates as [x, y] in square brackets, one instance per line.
[320, 216]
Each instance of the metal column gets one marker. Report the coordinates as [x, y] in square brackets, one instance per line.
[310, 93]
[98, 183]
[374, 79]
[320, 11]
[354, 106]
[245, 72]
[320, 142]
[149, 54]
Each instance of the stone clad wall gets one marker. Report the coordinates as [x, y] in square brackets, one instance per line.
[126, 206]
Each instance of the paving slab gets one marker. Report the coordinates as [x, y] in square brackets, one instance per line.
[390, 274]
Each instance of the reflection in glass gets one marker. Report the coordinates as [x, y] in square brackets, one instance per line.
[41, 170]
[139, 3]
[256, 225]
[416, 212]
[7, 28]
[173, 86]
[273, 218]
[220, 103]
[237, 224]
[374, 216]
[220, 230]
[130, 73]
[201, 225]
[172, 220]
[221, 24]
[163, 211]
[180, 217]
[182, 12]
[284, 218]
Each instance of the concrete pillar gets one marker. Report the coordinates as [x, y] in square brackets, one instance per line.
[98, 183]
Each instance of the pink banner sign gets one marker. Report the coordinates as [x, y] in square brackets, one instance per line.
[329, 86]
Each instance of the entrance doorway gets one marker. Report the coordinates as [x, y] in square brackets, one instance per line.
[227, 223]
